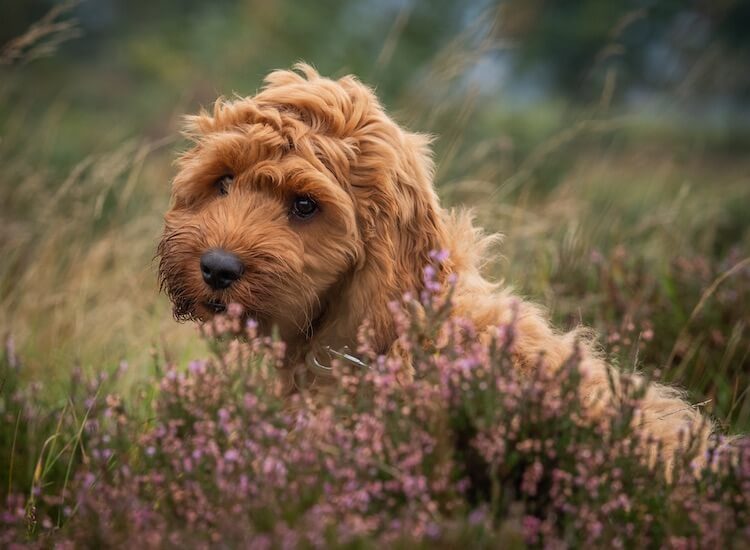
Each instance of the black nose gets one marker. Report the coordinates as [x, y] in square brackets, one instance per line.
[220, 268]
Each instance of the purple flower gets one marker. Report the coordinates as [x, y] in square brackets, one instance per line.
[232, 455]
[440, 256]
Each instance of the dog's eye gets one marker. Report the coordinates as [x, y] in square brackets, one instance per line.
[304, 207]
[222, 184]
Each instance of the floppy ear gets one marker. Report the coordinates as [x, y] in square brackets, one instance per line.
[400, 219]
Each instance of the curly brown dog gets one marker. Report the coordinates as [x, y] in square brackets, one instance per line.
[308, 206]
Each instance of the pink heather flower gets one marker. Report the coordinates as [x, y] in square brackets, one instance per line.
[234, 310]
[477, 516]
[249, 401]
[391, 463]
[89, 480]
[440, 256]
[531, 527]
[251, 329]
[531, 478]
[196, 367]
[432, 530]
[10, 352]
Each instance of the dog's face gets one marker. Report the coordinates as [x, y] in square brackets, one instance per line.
[258, 221]
[283, 199]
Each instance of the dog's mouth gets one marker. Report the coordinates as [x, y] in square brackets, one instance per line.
[215, 306]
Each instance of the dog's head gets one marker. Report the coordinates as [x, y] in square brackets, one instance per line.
[306, 204]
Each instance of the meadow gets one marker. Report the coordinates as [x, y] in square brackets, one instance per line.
[633, 220]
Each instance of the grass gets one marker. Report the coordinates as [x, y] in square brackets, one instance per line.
[635, 225]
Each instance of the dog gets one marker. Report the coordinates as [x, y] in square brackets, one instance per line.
[312, 209]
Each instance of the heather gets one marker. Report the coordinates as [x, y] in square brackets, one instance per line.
[624, 212]
[469, 452]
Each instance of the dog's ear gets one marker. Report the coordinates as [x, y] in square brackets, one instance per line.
[399, 215]
[392, 184]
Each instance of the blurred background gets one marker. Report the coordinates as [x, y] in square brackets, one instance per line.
[608, 141]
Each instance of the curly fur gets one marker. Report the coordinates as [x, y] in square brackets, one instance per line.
[319, 280]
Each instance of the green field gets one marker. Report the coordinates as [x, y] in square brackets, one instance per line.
[633, 219]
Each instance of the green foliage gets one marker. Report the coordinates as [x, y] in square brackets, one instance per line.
[652, 45]
[631, 219]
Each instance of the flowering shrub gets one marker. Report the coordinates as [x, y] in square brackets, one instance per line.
[685, 321]
[469, 452]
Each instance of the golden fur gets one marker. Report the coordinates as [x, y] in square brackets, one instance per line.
[318, 280]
